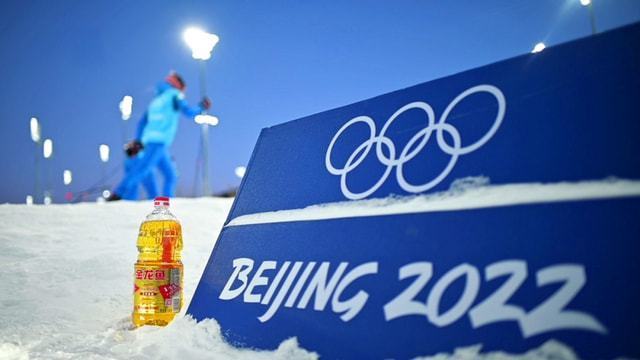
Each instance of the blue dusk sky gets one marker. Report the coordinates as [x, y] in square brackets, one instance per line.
[69, 63]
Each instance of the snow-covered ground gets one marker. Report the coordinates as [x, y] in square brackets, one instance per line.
[66, 280]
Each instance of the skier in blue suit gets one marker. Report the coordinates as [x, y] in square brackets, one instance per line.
[133, 151]
[156, 130]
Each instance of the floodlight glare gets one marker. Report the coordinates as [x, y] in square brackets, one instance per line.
[200, 42]
[47, 148]
[539, 47]
[585, 2]
[35, 130]
[126, 105]
[240, 171]
[67, 177]
[206, 119]
[104, 152]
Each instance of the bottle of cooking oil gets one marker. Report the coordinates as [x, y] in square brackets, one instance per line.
[158, 272]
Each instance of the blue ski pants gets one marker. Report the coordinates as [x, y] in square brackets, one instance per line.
[154, 156]
[149, 182]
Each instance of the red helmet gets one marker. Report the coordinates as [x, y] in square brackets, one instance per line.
[176, 81]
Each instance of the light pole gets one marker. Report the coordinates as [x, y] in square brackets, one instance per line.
[201, 44]
[47, 152]
[34, 127]
[126, 105]
[67, 178]
[103, 149]
[592, 17]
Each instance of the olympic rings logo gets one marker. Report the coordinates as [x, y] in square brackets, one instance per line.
[421, 138]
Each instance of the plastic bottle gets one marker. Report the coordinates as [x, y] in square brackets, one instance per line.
[158, 272]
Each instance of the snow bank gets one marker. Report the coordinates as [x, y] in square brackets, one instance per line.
[66, 284]
[467, 193]
[550, 350]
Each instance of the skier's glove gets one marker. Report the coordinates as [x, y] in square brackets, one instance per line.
[133, 148]
[205, 103]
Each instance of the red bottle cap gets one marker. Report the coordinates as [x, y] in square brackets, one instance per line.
[161, 201]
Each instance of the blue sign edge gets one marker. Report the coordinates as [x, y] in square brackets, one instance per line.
[307, 117]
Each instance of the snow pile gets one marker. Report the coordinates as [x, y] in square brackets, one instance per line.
[66, 273]
[466, 193]
[550, 350]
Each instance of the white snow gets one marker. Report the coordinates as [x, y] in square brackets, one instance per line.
[66, 284]
[550, 350]
[467, 193]
[66, 288]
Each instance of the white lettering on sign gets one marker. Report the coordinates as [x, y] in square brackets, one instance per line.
[241, 268]
[551, 315]
[322, 287]
[301, 285]
[494, 308]
[414, 145]
[258, 280]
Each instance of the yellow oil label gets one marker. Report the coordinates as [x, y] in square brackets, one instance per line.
[157, 289]
[158, 273]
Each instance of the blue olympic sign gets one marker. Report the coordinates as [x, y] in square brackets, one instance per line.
[511, 221]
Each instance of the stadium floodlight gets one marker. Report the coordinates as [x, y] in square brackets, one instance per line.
[240, 171]
[67, 177]
[47, 151]
[592, 17]
[207, 119]
[104, 153]
[47, 148]
[126, 105]
[538, 48]
[104, 157]
[34, 127]
[200, 42]
[35, 130]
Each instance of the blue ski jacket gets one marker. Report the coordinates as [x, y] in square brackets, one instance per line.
[159, 123]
